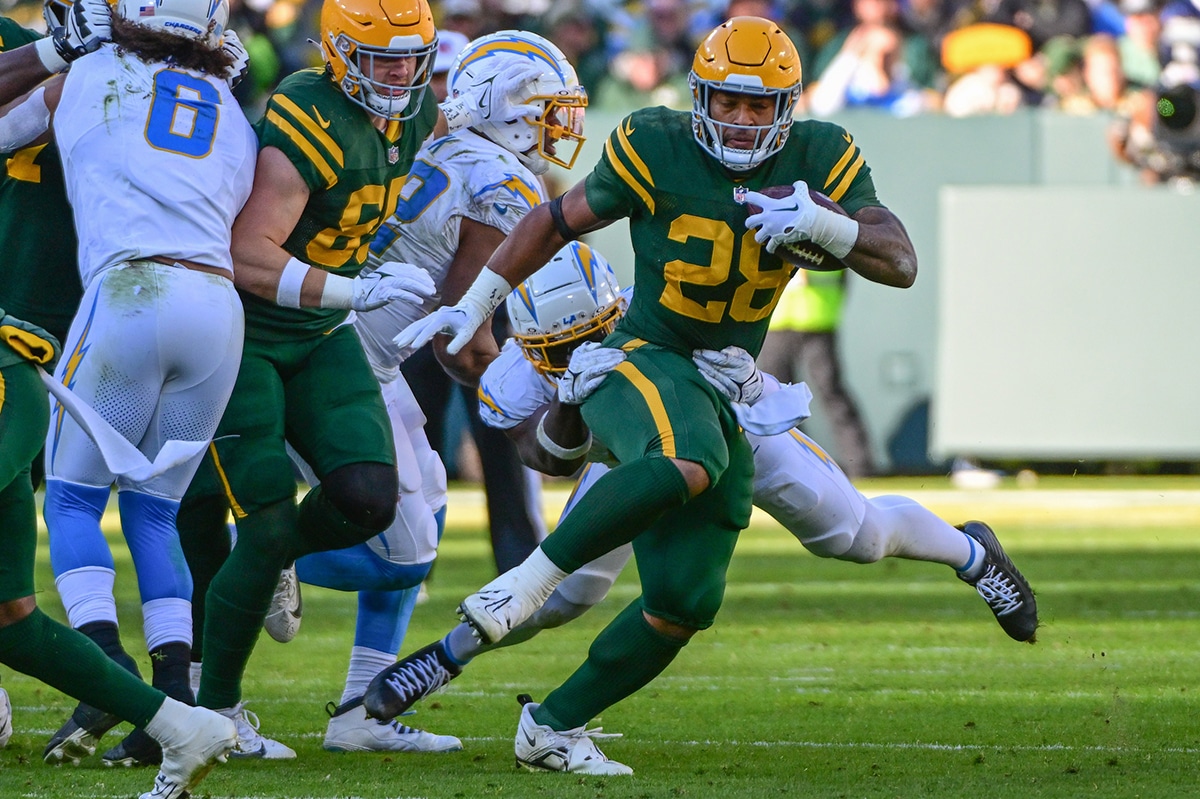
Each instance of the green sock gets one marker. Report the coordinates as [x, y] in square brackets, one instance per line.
[239, 597]
[626, 655]
[615, 510]
[67, 660]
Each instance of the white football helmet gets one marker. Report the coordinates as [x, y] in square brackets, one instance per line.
[192, 19]
[557, 92]
[572, 299]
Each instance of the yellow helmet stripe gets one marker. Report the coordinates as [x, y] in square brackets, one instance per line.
[654, 404]
[313, 127]
[306, 147]
[627, 176]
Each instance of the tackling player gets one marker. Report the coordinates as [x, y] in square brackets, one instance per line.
[335, 146]
[682, 490]
[530, 392]
[192, 739]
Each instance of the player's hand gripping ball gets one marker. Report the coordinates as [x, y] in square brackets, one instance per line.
[805, 254]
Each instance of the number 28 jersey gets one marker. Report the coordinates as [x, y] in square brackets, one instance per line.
[702, 280]
[158, 161]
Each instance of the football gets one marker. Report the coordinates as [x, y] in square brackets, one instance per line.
[804, 254]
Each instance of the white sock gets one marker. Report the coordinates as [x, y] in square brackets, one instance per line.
[170, 722]
[167, 620]
[974, 565]
[364, 665]
[539, 573]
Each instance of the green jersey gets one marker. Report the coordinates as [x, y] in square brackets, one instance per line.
[39, 274]
[354, 175]
[702, 280]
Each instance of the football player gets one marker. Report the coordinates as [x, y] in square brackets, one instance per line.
[682, 489]
[573, 300]
[335, 146]
[465, 193]
[140, 285]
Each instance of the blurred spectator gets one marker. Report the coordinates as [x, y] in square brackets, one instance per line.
[463, 16]
[450, 44]
[992, 70]
[874, 64]
[580, 36]
[1139, 43]
[654, 69]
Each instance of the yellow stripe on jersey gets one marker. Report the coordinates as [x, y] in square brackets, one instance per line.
[2, 384]
[838, 167]
[238, 513]
[627, 176]
[654, 403]
[632, 344]
[844, 184]
[313, 127]
[306, 147]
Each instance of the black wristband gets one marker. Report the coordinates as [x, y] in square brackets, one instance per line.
[560, 224]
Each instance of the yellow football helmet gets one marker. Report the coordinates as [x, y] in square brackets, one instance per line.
[354, 33]
[745, 55]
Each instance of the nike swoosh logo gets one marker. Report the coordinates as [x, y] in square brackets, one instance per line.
[501, 209]
[529, 739]
[322, 121]
[628, 127]
[849, 140]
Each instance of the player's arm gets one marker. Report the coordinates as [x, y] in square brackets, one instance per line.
[883, 252]
[88, 25]
[563, 427]
[531, 244]
[27, 119]
[476, 243]
[264, 268]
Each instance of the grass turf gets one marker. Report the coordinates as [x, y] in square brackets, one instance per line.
[821, 678]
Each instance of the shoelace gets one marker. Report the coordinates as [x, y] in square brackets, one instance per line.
[418, 678]
[247, 727]
[999, 591]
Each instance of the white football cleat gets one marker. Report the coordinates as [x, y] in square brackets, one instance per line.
[205, 739]
[540, 748]
[5, 718]
[350, 730]
[283, 617]
[250, 743]
[503, 604]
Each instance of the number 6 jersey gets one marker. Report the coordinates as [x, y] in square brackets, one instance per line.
[126, 129]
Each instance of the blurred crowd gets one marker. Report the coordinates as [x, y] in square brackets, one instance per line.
[904, 57]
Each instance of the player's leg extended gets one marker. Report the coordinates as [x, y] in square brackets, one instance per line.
[652, 412]
[804, 490]
[411, 679]
[682, 561]
[30, 641]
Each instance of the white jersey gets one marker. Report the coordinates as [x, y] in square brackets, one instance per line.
[455, 177]
[127, 129]
[511, 389]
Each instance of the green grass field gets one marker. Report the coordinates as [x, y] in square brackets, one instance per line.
[820, 678]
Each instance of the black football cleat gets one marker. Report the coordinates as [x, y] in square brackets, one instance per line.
[1003, 587]
[406, 682]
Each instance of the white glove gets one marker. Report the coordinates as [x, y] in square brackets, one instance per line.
[732, 372]
[798, 217]
[232, 45]
[392, 280]
[460, 320]
[590, 363]
[88, 25]
[491, 100]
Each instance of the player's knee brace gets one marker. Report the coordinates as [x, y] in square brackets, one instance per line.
[365, 493]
